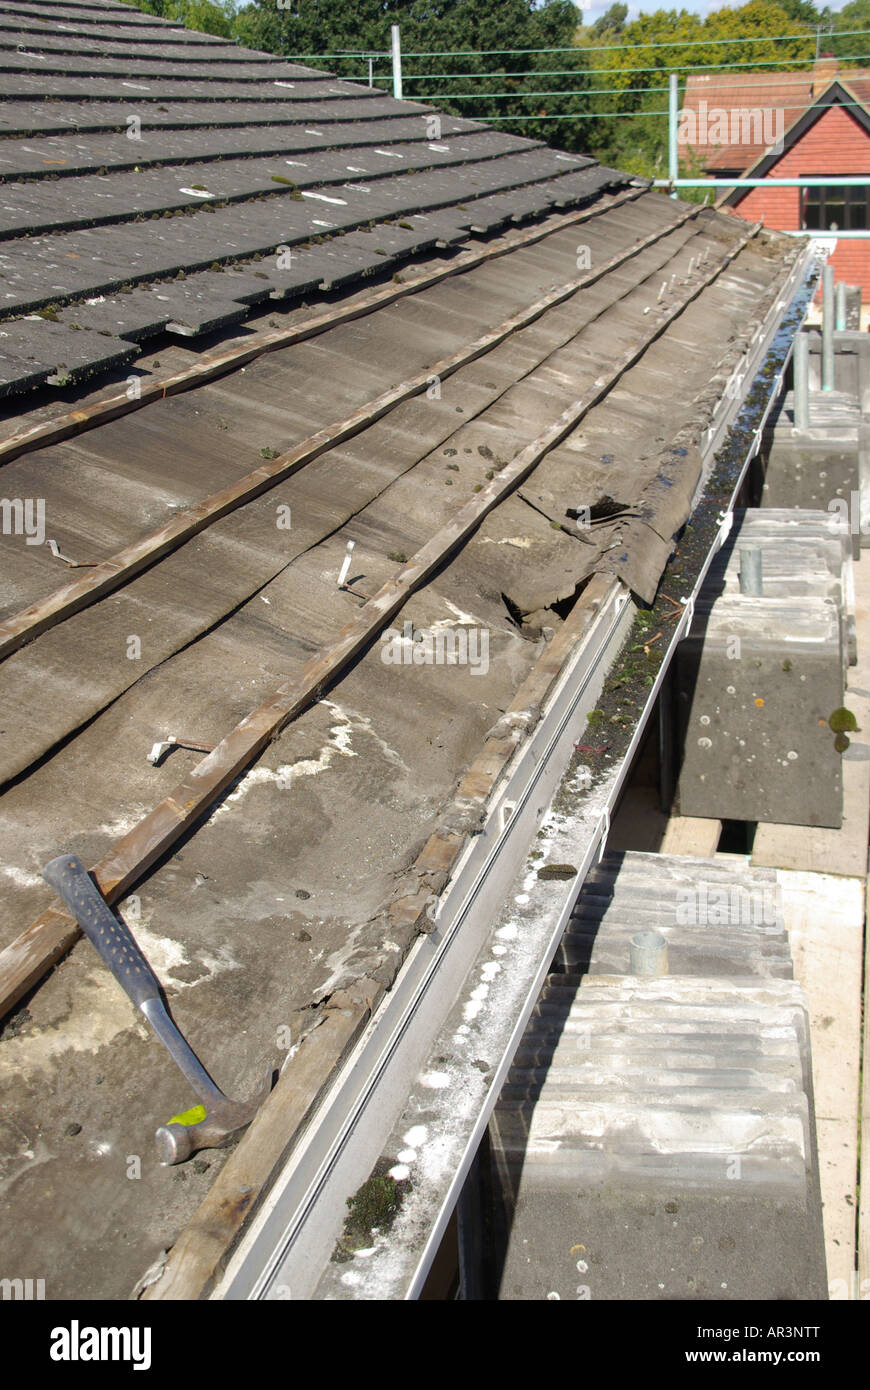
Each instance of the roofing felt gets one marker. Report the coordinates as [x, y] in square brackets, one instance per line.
[138, 153]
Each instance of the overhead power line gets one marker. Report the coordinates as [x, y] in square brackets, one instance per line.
[568, 116]
[596, 48]
[596, 91]
[600, 72]
[802, 106]
[601, 115]
[584, 92]
[640, 43]
[479, 96]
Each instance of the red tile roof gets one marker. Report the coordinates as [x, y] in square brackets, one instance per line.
[789, 92]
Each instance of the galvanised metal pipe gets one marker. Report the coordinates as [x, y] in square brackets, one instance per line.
[840, 316]
[801, 382]
[396, 51]
[828, 328]
[673, 116]
[750, 571]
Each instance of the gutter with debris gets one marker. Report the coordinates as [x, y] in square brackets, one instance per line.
[431, 1062]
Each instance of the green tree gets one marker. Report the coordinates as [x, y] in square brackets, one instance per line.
[611, 22]
[804, 11]
[852, 17]
[208, 17]
[638, 76]
[494, 81]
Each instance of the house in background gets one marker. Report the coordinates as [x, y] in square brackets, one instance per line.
[789, 125]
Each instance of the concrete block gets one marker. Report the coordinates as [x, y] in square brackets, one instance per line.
[805, 553]
[660, 1241]
[757, 680]
[655, 1138]
[821, 467]
[842, 851]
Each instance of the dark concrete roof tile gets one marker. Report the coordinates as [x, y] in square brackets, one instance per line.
[88, 211]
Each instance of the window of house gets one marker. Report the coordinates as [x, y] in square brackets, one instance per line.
[835, 209]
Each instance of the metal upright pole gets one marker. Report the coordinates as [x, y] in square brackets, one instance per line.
[396, 44]
[841, 306]
[801, 382]
[673, 117]
[828, 328]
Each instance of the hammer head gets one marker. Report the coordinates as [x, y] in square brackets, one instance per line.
[176, 1141]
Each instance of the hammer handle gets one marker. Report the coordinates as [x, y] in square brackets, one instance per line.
[112, 939]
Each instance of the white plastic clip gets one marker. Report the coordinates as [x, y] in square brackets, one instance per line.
[176, 741]
[346, 565]
[160, 748]
[73, 564]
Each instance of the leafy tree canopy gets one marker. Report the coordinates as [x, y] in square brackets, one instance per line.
[855, 15]
[611, 22]
[495, 73]
[203, 15]
[638, 76]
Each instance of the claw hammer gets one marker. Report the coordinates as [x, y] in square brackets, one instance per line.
[116, 945]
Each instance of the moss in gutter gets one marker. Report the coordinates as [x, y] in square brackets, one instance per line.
[370, 1211]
